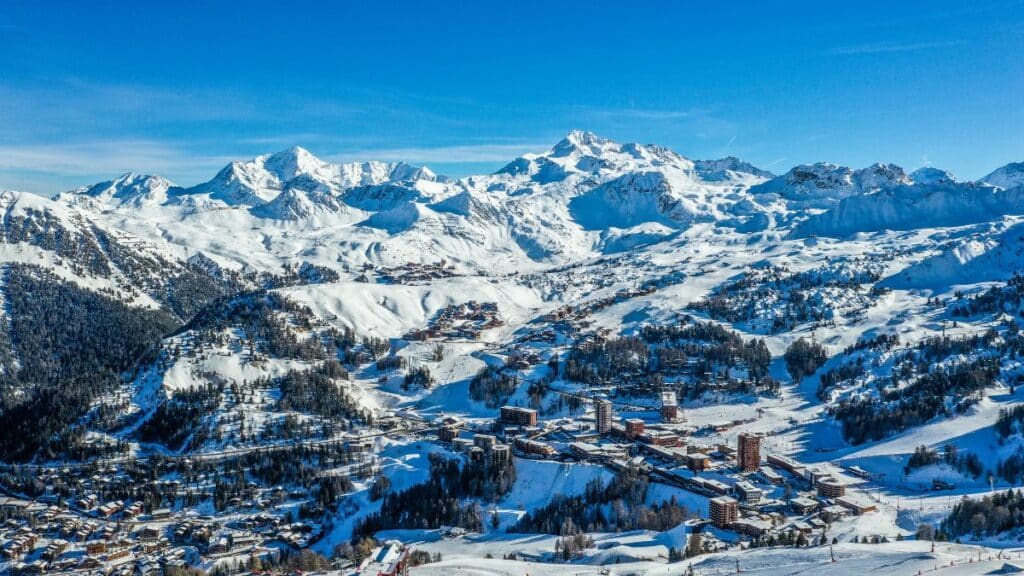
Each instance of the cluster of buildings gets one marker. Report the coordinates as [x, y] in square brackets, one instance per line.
[570, 312]
[749, 492]
[412, 272]
[820, 498]
[467, 321]
[478, 447]
[573, 320]
[636, 429]
[57, 539]
[37, 538]
[744, 486]
[519, 427]
[95, 520]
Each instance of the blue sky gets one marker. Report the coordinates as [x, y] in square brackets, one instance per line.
[90, 90]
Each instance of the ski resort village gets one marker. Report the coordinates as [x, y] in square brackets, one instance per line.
[603, 358]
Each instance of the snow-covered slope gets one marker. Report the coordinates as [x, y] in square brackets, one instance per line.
[908, 207]
[81, 248]
[992, 254]
[1009, 176]
[302, 197]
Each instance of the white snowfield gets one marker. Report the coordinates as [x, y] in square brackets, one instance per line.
[894, 559]
[585, 221]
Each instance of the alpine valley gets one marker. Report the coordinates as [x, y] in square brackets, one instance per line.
[602, 358]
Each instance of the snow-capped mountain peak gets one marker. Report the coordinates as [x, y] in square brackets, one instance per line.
[128, 184]
[401, 172]
[727, 169]
[589, 154]
[129, 189]
[241, 183]
[880, 177]
[822, 185]
[584, 195]
[930, 175]
[260, 180]
[1006, 177]
[294, 161]
[583, 143]
[352, 174]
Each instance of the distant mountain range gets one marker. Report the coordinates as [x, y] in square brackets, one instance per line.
[585, 196]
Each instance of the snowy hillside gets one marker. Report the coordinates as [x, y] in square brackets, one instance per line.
[79, 247]
[945, 204]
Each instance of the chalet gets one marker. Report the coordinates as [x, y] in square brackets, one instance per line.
[835, 512]
[801, 526]
[54, 549]
[14, 507]
[221, 545]
[388, 560]
[160, 514]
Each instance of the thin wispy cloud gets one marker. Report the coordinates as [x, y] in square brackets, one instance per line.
[74, 103]
[630, 113]
[475, 153]
[73, 107]
[890, 47]
[102, 159]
